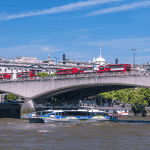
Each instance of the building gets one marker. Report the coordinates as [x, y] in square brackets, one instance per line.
[24, 64]
[48, 61]
[66, 63]
[147, 67]
[23, 59]
[98, 61]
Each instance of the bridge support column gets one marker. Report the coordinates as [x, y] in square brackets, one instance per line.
[27, 107]
[2, 97]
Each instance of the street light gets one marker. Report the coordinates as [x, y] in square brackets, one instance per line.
[56, 62]
[134, 56]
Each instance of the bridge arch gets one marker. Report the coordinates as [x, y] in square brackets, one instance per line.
[39, 88]
[85, 90]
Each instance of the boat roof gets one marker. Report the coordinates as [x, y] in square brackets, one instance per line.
[80, 110]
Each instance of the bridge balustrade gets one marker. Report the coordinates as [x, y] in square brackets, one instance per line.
[79, 76]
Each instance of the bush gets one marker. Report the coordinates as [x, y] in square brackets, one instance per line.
[42, 74]
[11, 97]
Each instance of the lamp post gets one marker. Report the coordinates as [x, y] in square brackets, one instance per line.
[134, 56]
[56, 62]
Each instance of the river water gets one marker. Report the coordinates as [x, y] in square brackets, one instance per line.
[22, 135]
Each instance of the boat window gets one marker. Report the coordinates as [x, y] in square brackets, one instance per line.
[78, 113]
[43, 113]
[57, 114]
[99, 113]
[62, 114]
[75, 113]
[92, 114]
[38, 113]
[52, 114]
[105, 114]
[114, 111]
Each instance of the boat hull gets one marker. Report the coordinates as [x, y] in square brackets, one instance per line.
[49, 120]
[36, 120]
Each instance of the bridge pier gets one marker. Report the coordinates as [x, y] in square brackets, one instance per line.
[28, 106]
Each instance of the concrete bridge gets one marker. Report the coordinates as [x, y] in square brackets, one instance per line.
[71, 88]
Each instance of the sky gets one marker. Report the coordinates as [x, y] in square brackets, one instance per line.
[34, 28]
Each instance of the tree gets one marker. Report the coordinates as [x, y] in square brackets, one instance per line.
[42, 74]
[11, 97]
[107, 95]
[121, 95]
[139, 99]
[54, 74]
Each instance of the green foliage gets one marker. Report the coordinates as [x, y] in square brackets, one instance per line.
[53, 74]
[89, 97]
[11, 97]
[137, 98]
[121, 95]
[107, 94]
[43, 74]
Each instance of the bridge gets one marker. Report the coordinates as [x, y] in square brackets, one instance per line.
[71, 88]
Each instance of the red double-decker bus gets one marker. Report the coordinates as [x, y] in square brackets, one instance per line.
[27, 74]
[6, 76]
[86, 70]
[68, 71]
[120, 68]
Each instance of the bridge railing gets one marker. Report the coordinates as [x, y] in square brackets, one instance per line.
[96, 75]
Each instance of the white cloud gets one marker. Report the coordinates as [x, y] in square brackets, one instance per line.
[144, 50]
[142, 59]
[38, 40]
[76, 55]
[82, 30]
[45, 49]
[121, 8]
[50, 48]
[28, 50]
[121, 42]
[81, 36]
[64, 8]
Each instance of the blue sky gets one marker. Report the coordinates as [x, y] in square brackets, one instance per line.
[34, 27]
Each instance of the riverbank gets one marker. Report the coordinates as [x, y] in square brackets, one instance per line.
[134, 118]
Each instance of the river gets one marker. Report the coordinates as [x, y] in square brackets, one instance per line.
[22, 135]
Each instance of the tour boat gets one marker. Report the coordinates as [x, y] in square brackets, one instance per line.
[38, 114]
[80, 115]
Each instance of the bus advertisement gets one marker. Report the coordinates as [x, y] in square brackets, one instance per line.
[120, 68]
[68, 71]
[85, 70]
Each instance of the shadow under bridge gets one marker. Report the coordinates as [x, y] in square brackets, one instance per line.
[80, 92]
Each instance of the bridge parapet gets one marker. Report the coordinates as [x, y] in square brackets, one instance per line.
[35, 88]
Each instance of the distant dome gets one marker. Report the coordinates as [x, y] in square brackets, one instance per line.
[100, 59]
